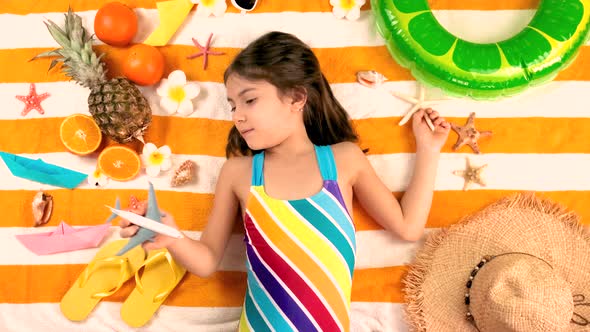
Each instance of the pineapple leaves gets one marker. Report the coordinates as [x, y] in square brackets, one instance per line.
[85, 57]
[77, 58]
[47, 54]
[53, 63]
[69, 22]
[58, 34]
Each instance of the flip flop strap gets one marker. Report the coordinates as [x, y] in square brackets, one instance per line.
[162, 254]
[123, 263]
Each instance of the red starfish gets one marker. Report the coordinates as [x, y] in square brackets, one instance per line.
[204, 51]
[33, 100]
[137, 206]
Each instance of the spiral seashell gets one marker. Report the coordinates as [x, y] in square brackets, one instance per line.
[42, 207]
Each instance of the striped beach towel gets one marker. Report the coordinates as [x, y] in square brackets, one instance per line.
[540, 142]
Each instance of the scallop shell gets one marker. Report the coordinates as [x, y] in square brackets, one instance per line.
[42, 207]
[184, 173]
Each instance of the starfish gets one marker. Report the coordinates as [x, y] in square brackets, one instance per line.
[468, 134]
[205, 51]
[419, 103]
[471, 174]
[33, 100]
[137, 206]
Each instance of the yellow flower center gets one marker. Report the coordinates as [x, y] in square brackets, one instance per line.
[156, 158]
[347, 4]
[177, 93]
[96, 174]
[207, 3]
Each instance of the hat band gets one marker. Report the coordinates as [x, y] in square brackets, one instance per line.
[578, 298]
[579, 319]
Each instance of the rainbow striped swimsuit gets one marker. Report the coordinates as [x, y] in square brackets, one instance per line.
[300, 256]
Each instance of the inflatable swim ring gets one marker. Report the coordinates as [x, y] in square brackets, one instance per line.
[417, 41]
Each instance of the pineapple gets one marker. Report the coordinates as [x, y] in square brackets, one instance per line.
[117, 105]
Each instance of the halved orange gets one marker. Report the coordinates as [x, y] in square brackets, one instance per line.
[80, 134]
[119, 163]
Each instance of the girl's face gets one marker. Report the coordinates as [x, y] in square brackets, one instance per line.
[263, 117]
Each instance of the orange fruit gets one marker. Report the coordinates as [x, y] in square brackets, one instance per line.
[115, 24]
[80, 134]
[144, 64]
[119, 163]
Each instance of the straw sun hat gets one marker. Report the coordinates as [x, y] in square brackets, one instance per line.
[521, 264]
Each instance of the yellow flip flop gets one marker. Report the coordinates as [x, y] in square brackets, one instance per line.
[160, 276]
[103, 276]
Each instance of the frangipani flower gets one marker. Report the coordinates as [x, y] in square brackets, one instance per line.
[176, 94]
[207, 7]
[351, 9]
[156, 159]
[98, 178]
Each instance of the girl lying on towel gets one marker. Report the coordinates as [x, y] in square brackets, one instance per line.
[292, 169]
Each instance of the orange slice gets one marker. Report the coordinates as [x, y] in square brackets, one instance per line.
[80, 134]
[119, 163]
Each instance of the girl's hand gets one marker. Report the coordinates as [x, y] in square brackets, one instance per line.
[427, 139]
[159, 240]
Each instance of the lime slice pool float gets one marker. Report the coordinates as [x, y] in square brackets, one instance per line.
[535, 55]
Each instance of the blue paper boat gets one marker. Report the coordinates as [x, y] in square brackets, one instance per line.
[40, 171]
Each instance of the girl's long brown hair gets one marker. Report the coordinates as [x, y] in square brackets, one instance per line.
[289, 64]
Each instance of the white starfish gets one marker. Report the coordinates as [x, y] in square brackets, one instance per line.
[419, 103]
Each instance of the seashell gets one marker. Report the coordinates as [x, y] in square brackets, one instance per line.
[184, 173]
[370, 78]
[42, 208]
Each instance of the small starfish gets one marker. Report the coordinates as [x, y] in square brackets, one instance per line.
[205, 51]
[137, 206]
[468, 134]
[419, 103]
[471, 175]
[33, 100]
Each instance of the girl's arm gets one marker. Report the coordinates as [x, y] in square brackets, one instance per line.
[407, 219]
[202, 257]
[417, 199]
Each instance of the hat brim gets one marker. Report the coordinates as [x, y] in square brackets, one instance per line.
[435, 283]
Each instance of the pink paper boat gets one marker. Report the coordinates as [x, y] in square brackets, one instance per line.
[64, 238]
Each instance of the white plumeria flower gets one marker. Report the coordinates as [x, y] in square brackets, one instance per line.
[351, 9]
[156, 159]
[176, 95]
[98, 179]
[207, 7]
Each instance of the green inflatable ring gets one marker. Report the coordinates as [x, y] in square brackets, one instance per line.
[417, 41]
